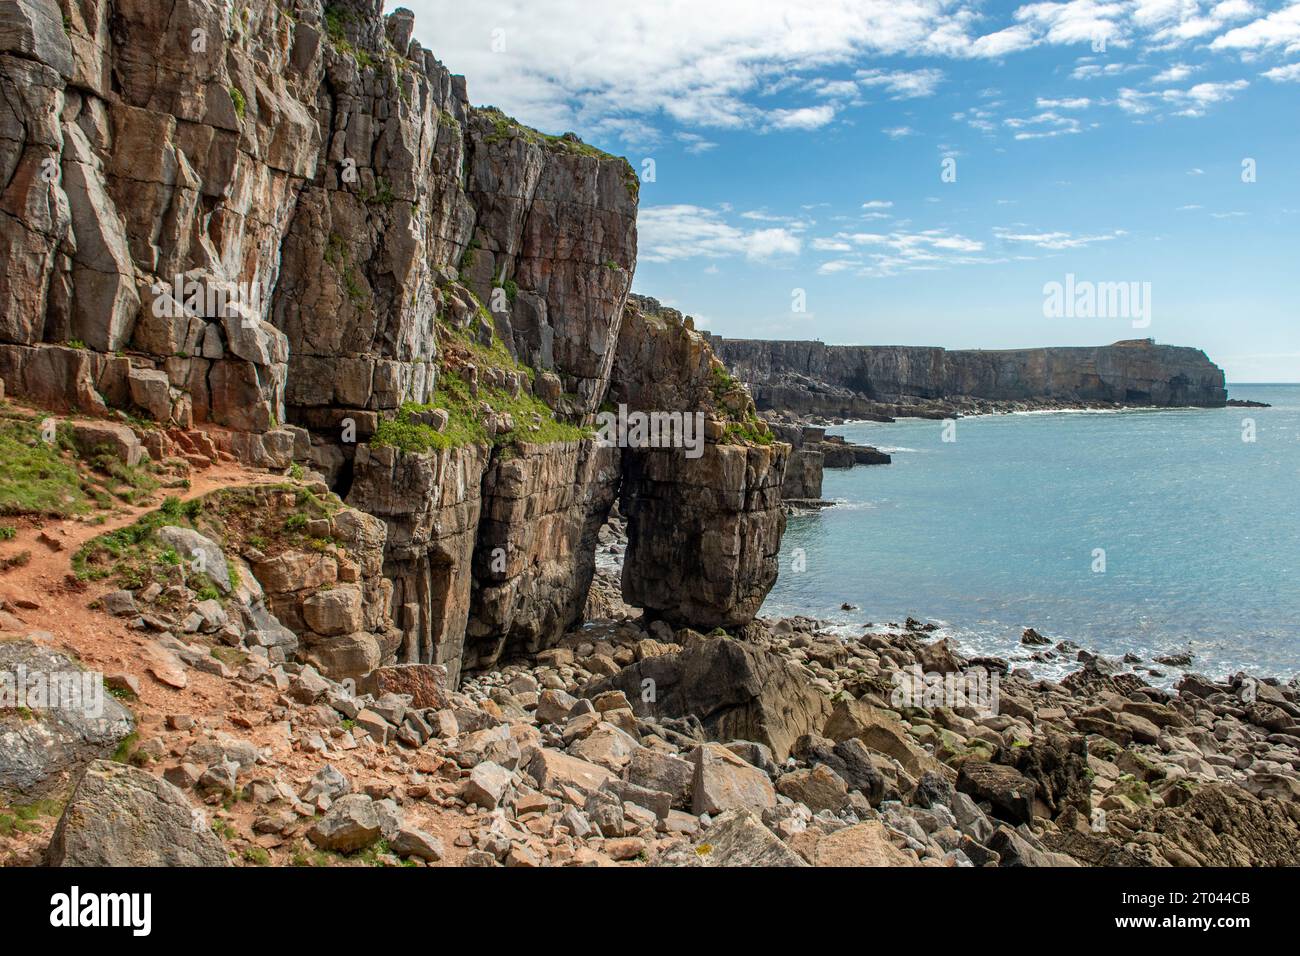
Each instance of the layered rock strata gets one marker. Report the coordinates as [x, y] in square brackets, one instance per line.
[270, 223]
[881, 382]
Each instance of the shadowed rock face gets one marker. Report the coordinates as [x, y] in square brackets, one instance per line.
[431, 504]
[703, 533]
[851, 380]
[536, 549]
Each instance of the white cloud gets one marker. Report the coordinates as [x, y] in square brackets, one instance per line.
[1189, 102]
[695, 143]
[1054, 240]
[573, 64]
[878, 204]
[1071, 103]
[1174, 73]
[898, 132]
[1283, 74]
[883, 254]
[683, 231]
[1076, 21]
[1043, 126]
[805, 117]
[903, 84]
[1279, 28]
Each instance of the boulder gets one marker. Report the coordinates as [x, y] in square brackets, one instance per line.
[44, 748]
[201, 554]
[353, 822]
[334, 611]
[722, 781]
[737, 691]
[662, 772]
[426, 683]
[881, 732]
[121, 816]
[107, 438]
[866, 844]
[551, 768]
[738, 838]
[820, 788]
[607, 746]
[1009, 791]
[486, 785]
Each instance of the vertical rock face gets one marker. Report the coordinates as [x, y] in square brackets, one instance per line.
[703, 532]
[431, 504]
[852, 380]
[703, 535]
[535, 555]
[532, 191]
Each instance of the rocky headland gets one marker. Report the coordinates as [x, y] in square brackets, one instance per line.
[881, 383]
[303, 357]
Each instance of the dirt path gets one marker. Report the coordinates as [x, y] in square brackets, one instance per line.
[63, 619]
[62, 603]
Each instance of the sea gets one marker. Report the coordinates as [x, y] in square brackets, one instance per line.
[1144, 531]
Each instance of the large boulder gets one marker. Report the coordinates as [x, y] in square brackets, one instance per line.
[44, 742]
[426, 683]
[724, 782]
[121, 816]
[880, 731]
[202, 553]
[353, 822]
[1006, 788]
[738, 838]
[738, 692]
[866, 844]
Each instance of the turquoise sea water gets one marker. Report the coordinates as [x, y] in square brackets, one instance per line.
[997, 531]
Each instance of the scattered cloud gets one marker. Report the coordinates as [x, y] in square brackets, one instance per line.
[683, 231]
[569, 64]
[1283, 74]
[694, 143]
[805, 117]
[898, 132]
[902, 84]
[1174, 73]
[1055, 241]
[1071, 103]
[1193, 101]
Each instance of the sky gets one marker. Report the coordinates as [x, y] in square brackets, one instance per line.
[920, 172]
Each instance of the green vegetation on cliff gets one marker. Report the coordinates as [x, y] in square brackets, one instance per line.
[506, 128]
[534, 420]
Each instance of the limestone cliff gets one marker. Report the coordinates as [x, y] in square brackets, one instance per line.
[285, 225]
[850, 381]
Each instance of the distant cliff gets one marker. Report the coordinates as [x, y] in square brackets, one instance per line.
[811, 378]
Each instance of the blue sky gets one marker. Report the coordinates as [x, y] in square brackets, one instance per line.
[801, 146]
